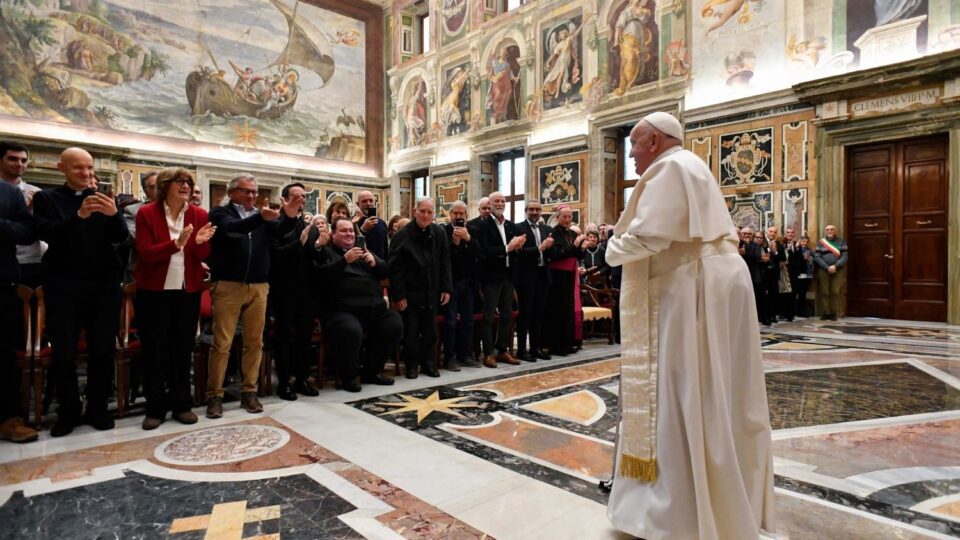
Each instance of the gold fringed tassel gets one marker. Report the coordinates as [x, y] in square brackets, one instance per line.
[644, 470]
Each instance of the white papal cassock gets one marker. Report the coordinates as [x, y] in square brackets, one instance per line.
[687, 300]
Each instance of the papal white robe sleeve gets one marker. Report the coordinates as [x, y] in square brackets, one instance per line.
[695, 432]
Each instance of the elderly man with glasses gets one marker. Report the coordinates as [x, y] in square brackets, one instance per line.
[240, 268]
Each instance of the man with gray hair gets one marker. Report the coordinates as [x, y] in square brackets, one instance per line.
[420, 285]
[240, 267]
[693, 454]
[458, 318]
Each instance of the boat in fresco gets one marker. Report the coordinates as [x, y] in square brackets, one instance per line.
[266, 97]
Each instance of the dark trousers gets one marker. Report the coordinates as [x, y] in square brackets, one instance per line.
[344, 331]
[419, 333]
[770, 292]
[497, 297]
[93, 307]
[532, 297]
[758, 296]
[294, 317]
[10, 313]
[168, 327]
[458, 332]
[800, 287]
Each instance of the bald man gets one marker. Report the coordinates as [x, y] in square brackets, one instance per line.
[693, 456]
[81, 283]
[373, 229]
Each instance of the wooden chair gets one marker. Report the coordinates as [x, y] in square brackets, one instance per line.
[25, 356]
[127, 349]
[598, 305]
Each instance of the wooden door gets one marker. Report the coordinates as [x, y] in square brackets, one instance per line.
[897, 223]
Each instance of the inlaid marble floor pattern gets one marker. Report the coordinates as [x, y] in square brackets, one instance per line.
[866, 418]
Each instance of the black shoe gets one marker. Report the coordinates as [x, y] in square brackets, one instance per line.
[824, 317]
[452, 365]
[833, 317]
[528, 357]
[379, 378]
[561, 352]
[351, 387]
[430, 371]
[303, 388]
[521, 355]
[411, 372]
[540, 354]
[64, 426]
[100, 422]
[469, 362]
[285, 393]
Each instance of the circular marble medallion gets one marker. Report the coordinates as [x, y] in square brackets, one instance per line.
[218, 445]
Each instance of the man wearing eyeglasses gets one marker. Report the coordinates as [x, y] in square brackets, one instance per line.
[240, 267]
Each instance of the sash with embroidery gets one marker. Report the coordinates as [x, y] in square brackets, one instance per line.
[828, 245]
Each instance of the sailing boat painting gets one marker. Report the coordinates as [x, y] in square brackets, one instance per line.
[249, 75]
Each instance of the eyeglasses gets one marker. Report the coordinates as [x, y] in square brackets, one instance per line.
[758, 236]
[183, 181]
[247, 191]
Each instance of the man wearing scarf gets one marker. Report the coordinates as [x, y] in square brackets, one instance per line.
[830, 256]
[693, 457]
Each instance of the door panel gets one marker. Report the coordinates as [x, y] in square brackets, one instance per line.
[897, 217]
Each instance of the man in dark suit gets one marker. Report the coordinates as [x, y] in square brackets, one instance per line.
[499, 243]
[458, 317]
[532, 277]
[291, 263]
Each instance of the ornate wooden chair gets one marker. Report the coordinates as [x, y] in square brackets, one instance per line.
[599, 305]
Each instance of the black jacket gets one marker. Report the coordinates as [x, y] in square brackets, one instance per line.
[291, 262]
[420, 265]
[16, 228]
[78, 250]
[351, 286]
[463, 257]
[375, 238]
[563, 244]
[528, 257]
[240, 249]
[597, 259]
[493, 251]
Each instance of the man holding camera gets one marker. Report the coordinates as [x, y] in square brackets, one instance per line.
[81, 283]
[458, 318]
[373, 229]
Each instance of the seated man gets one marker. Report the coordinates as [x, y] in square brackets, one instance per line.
[354, 306]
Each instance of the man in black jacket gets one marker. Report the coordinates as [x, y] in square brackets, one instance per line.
[458, 317]
[420, 283]
[81, 284]
[532, 278]
[16, 229]
[239, 267]
[355, 306]
[499, 243]
[373, 229]
[290, 300]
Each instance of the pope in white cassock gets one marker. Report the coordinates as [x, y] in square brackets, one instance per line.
[693, 451]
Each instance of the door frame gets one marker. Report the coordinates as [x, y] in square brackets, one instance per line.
[832, 141]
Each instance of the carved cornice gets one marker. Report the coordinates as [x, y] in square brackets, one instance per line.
[922, 71]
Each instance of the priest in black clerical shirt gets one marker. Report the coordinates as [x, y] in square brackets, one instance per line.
[82, 273]
[420, 282]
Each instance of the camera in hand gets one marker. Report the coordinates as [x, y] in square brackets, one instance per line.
[274, 205]
[460, 222]
[371, 212]
[106, 188]
[361, 243]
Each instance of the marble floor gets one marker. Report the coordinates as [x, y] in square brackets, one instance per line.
[866, 417]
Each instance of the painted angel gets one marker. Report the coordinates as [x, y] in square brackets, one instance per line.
[563, 64]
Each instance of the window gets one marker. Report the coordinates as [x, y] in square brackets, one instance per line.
[421, 185]
[513, 4]
[425, 34]
[627, 178]
[512, 182]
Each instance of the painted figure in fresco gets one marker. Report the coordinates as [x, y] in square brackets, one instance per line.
[504, 77]
[632, 39]
[245, 80]
[677, 58]
[450, 114]
[889, 11]
[563, 64]
[415, 113]
[723, 11]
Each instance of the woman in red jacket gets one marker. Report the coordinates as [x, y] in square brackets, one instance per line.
[172, 242]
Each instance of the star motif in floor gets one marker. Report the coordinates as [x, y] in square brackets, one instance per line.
[433, 403]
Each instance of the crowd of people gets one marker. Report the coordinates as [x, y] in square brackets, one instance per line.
[782, 269]
[388, 280]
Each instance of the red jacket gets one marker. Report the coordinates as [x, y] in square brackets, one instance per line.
[154, 248]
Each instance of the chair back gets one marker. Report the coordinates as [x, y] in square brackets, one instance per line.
[41, 320]
[127, 312]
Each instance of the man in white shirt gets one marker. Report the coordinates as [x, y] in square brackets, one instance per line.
[14, 160]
